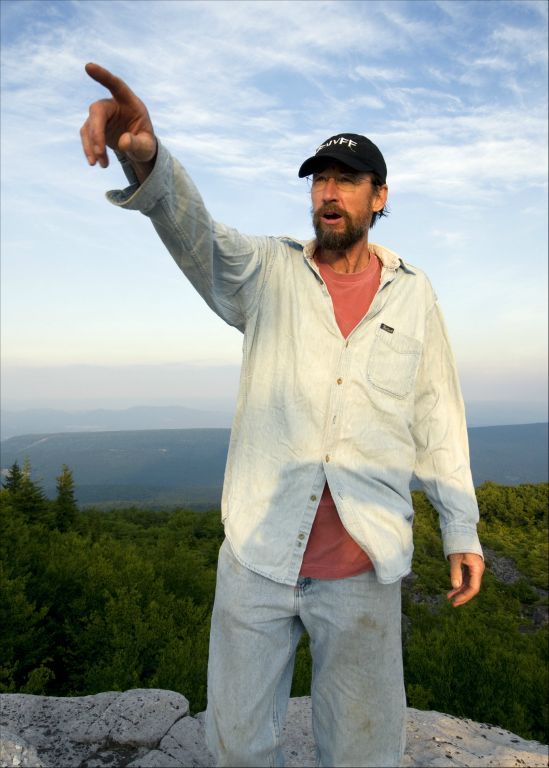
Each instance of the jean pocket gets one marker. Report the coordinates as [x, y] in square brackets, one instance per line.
[394, 361]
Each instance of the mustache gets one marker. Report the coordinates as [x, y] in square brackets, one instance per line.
[330, 208]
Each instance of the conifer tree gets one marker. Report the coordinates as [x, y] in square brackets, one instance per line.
[65, 504]
[13, 478]
[29, 498]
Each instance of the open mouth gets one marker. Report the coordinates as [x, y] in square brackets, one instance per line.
[329, 215]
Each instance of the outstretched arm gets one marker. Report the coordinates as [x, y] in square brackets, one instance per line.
[121, 123]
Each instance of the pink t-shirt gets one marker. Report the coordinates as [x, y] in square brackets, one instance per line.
[331, 553]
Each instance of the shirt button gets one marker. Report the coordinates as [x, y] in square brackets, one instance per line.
[327, 457]
[340, 381]
[313, 497]
[301, 536]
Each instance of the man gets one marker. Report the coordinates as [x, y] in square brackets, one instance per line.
[348, 386]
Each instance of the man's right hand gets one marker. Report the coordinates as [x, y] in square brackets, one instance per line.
[121, 122]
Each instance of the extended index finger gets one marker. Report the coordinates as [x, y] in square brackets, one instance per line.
[115, 85]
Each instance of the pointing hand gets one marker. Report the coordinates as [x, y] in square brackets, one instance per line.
[121, 122]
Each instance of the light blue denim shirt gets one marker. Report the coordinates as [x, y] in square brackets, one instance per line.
[363, 412]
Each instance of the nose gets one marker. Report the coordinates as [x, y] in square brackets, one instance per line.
[330, 191]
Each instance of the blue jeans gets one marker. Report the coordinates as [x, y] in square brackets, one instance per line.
[357, 689]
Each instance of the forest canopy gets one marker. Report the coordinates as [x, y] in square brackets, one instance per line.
[95, 601]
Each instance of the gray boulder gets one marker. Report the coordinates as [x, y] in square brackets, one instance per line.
[15, 751]
[149, 728]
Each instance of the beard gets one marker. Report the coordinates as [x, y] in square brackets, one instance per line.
[354, 231]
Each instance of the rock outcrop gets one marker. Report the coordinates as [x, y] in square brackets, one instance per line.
[149, 728]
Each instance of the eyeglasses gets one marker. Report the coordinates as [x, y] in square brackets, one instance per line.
[343, 181]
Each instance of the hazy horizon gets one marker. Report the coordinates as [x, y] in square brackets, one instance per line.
[205, 413]
[214, 388]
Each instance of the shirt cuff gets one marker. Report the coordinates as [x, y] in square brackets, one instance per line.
[461, 540]
[142, 197]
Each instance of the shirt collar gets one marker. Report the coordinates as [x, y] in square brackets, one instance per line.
[389, 259]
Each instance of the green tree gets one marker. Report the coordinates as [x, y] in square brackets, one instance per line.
[29, 498]
[65, 506]
[24, 643]
[13, 478]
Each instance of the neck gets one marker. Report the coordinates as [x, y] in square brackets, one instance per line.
[354, 259]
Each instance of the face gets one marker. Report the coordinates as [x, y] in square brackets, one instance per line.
[343, 201]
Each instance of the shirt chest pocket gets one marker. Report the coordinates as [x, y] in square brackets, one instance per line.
[393, 362]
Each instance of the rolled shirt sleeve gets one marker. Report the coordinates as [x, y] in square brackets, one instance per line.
[227, 268]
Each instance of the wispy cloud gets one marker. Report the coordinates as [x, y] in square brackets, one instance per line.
[232, 72]
[525, 44]
[374, 73]
[450, 239]
[453, 92]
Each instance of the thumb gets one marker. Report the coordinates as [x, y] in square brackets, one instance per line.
[456, 575]
[140, 147]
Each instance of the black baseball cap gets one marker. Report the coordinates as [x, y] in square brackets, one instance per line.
[354, 150]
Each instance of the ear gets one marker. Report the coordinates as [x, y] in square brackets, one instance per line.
[380, 198]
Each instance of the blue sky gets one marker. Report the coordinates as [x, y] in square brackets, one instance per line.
[94, 311]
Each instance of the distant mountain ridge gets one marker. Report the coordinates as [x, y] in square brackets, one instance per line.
[207, 413]
[52, 420]
[169, 467]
